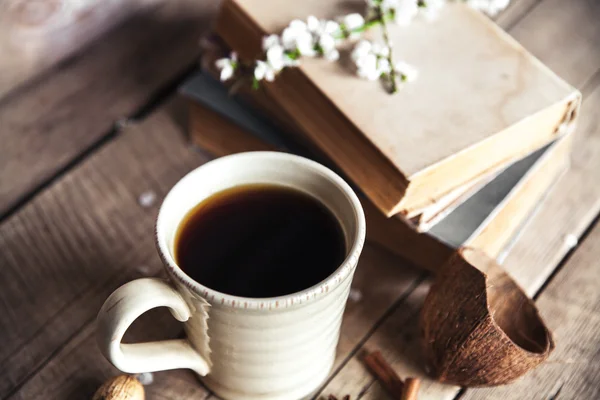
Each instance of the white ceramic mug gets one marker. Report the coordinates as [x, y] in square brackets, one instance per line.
[244, 348]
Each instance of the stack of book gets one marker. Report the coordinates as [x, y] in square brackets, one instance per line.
[463, 156]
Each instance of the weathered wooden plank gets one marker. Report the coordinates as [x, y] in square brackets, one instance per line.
[568, 210]
[564, 35]
[398, 339]
[63, 253]
[45, 126]
[34, 36]
[516, 10]
[73, 377]
[571, 304]
[92, 250]
[79, 368]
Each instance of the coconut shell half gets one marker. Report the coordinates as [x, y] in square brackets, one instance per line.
[479, 328]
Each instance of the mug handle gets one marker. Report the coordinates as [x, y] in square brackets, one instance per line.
[123, 307]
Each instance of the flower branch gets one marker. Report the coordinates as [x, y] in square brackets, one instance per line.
[321, 38]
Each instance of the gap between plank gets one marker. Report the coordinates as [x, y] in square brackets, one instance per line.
[28, 84]
[526, 12]
[51, 356]
[559, 267]
[26, 198]
[592, 83]
[155, 100]
[553, 275]
[415, 284]
[64, 344]
[567, 256]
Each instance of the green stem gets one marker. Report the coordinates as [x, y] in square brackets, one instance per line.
[386, 38]
[366, 26]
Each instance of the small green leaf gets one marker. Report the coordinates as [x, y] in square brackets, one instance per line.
[293, 54]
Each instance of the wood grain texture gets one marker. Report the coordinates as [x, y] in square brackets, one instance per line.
[515, 11]
[35, 35]
[66, 251]
[564, 35]
[89, 251]
[218, 130]
[46, 125]
[569, 209]
[78, 368]
[398, 339]
[86, 252]
[571, 303]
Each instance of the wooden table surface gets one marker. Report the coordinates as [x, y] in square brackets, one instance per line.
[92, 139]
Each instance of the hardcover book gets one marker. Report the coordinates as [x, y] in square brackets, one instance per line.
[489, 218]
[481, 102]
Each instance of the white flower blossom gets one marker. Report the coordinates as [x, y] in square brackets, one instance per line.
[329, 27]
[366, 67]
[383, 66]
[361, 49]
[407, 71]
[263, 71]
[327, 43]
[389, 5]
[432, 9]
[276, 57]
[405, 11]
[372, 62]
[332, 55]
[297, 37]
[312, 24]
[298, 24]
[305, 44]
[328, 37]
[366, 60]
[290, 62]
[353, 22]
[321, 37]
[380, 50]
[270, 41]
[490, 7]
[227, 66]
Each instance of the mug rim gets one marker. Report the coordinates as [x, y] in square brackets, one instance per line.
[288, 300]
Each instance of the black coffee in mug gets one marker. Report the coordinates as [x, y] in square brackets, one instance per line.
[259, 241]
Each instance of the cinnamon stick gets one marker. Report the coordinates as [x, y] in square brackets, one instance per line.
[411, 389]
[388, 378]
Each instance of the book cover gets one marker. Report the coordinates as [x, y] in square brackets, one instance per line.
[489, 219]
[480, 103]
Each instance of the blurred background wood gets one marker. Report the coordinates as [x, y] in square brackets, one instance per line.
[73, 107]
[72, 227]
[37, 34]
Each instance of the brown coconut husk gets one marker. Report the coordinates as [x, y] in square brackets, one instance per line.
[479, 328]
